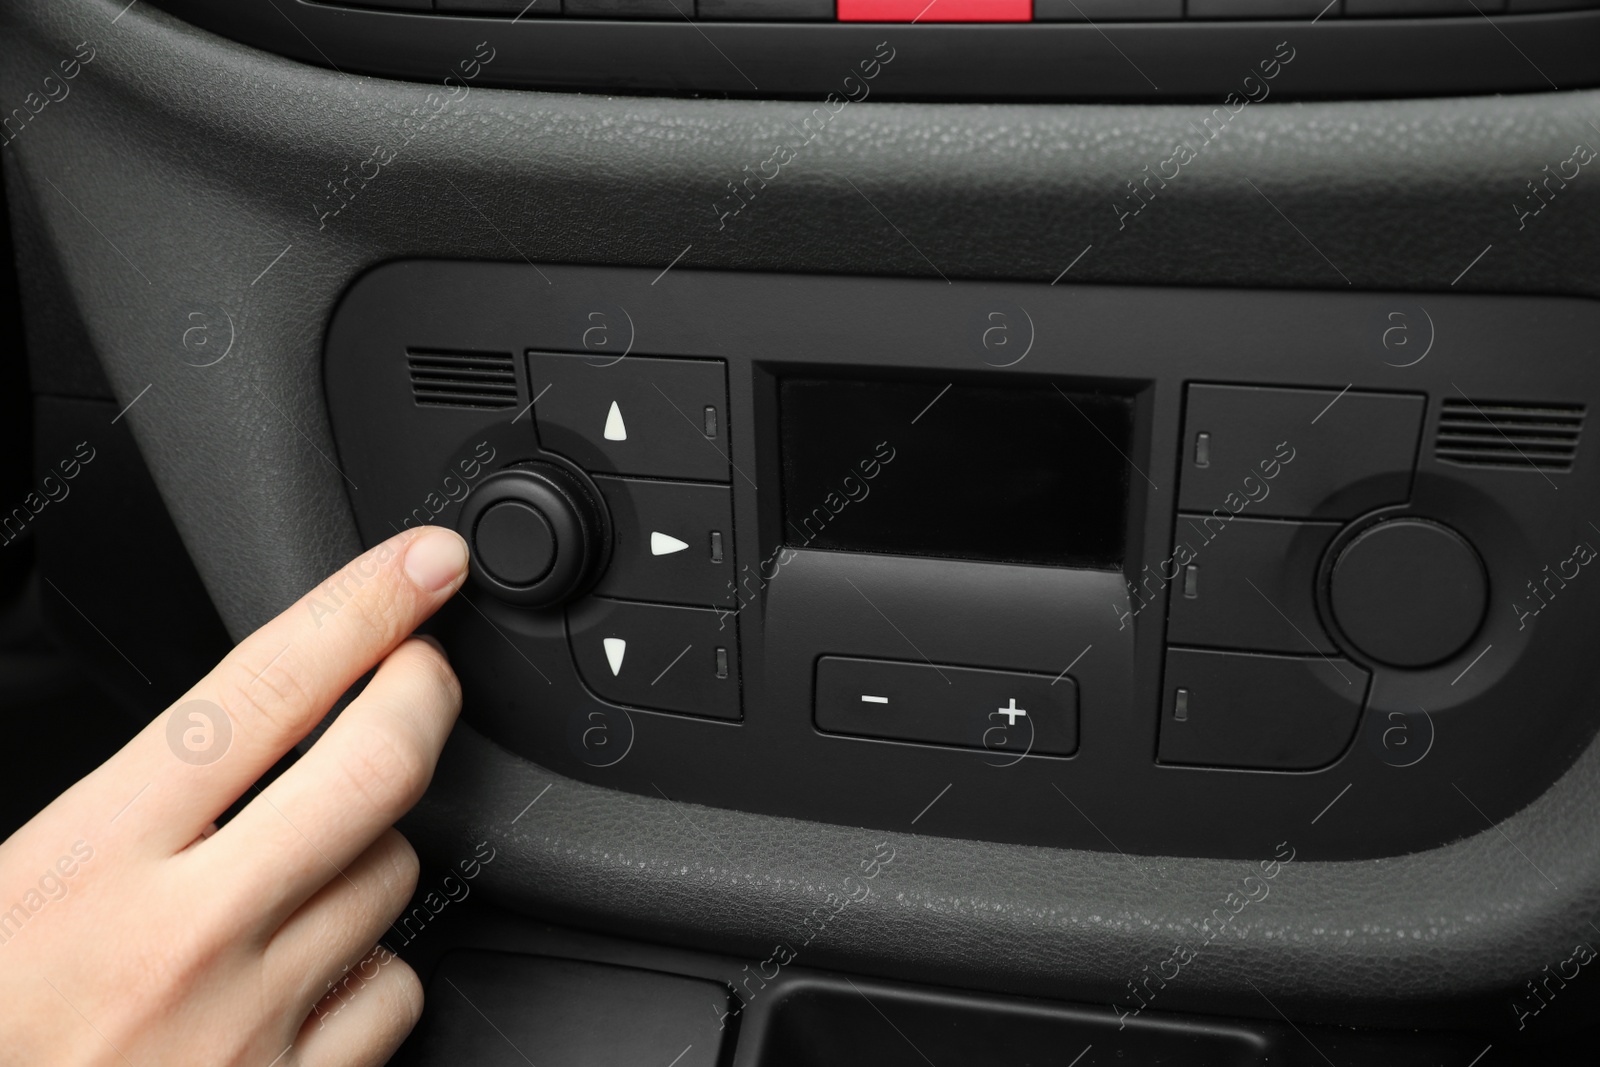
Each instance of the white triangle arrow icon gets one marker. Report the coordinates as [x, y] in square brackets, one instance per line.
[664, 545]
[616, 648]
[616, 429]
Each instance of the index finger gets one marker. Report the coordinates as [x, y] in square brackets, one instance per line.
[197, 757]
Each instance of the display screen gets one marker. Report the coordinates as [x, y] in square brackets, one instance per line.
[1033, 473]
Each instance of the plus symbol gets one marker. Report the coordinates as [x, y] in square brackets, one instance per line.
[1011, 712]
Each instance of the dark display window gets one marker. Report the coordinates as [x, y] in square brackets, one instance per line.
[1032, 473]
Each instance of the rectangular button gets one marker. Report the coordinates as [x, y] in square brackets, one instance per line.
[1278, 713]
[1262, 9]
[630, 9]
[1005, 712]
[517, 9]
[1297, 453]
[659, 418]
[1247, 584]
[1107, 10]
[657, 657]
[935, 11]
[407, 5]
[673, 542]
[760, 10]
[1358, 9]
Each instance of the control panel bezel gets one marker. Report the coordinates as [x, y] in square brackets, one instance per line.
[1487, 755]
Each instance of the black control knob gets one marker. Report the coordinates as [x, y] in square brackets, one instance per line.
[539, 534]
[1409, 592]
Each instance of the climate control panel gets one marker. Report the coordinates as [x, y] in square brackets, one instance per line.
[1172, 569]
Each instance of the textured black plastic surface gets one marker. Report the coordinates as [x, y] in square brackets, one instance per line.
[1402, 195]
[952, 61]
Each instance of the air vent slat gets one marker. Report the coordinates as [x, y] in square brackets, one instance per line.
[480, 365]
[476, 366]
[1495, 453]
[1521, 418]
[1565, 444]
[1512, 416]
[455, 402]
[1537, 410]
[465, 393]
[476, 379]
[1505, 426]
[462, 379]
[1508, 436]
[426, 384]
[1532, 433]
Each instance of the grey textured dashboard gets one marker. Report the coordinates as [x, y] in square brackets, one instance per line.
[183, 175]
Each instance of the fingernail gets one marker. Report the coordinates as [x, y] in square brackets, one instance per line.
[436, 559]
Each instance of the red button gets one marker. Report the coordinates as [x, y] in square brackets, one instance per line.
[935, 10]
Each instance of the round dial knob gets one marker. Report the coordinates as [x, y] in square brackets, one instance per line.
[1409, 592]
[539, 535]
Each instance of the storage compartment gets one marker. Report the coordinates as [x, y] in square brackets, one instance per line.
[845, 1023]
[492, 1008]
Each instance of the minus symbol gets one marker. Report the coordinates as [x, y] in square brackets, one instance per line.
[874, 700]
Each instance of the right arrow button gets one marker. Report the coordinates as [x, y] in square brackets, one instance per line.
[665, 544]
[672, 542]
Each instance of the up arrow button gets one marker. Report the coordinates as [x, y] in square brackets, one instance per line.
[642, 416]
[616, 429]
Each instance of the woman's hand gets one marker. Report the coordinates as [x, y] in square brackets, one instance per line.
[134, 933]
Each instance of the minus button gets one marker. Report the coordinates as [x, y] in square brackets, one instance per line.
[874, 700]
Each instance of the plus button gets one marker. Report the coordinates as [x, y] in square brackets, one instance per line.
[1011, 712]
